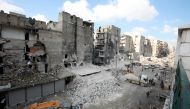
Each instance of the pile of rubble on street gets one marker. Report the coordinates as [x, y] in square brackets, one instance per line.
[93, 88]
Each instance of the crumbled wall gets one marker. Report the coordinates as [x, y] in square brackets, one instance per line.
[70, 37]
[79, 34]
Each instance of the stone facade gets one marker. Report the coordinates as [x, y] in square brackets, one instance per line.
[106, 44]
[79, 34]
[25, 39]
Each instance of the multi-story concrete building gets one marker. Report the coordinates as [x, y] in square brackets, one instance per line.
[147, 48]
[126, 45]
[154, 44]
[106, 44]
[180, 93]
[138, 41]
[159, 48]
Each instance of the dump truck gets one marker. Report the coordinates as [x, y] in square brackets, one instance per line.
[140, 80]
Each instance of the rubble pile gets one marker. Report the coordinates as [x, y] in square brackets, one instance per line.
[23, 76]
[81, 91]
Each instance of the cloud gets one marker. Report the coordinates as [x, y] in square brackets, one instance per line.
[79, 8]
[170, 29]
[6, 6]
[40, 17]
[137, 31]
[151, 37]
[130, 10]
[172, 43]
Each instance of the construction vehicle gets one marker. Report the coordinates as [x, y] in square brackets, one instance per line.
[140, 80]
[45, 105]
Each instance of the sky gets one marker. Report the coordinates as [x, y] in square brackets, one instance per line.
[155, 19]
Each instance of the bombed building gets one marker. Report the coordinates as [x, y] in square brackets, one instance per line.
[126, 46]
[138, 45]
[106, 44]
[32, 51]
[147, 48]
[69, 40]
[159, 48]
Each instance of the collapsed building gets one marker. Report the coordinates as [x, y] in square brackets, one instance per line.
[32, 48]
[159, 48]
[106, 44]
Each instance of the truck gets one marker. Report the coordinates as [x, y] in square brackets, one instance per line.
[139, 80]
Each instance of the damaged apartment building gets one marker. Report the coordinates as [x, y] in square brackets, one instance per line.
[30, 46]
[159, 48]
[126, 46]
[106, 44]
[137, 45]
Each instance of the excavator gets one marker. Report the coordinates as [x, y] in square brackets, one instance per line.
[45, 105]
[55, 104]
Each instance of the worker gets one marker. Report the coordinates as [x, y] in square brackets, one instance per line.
[169, 87]
[147, 94]
[162, 84]
[139, 79]
[29, 63]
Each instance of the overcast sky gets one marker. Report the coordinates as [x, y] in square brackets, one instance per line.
[158, 19]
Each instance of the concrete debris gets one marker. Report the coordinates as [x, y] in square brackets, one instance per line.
[88, 90]
[24, 76]
[5, 86]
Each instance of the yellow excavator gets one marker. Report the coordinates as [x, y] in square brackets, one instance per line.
[55, 104]
[45, 105]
